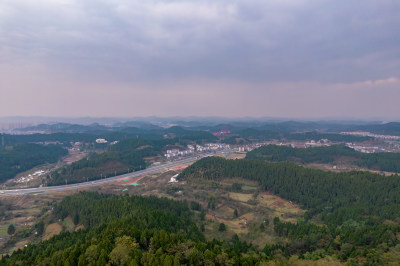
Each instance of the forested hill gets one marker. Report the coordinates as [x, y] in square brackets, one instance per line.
[90, 134]
[124, 230]
[382, 161]
[127, 155]
[23, 156]
[338, 197]
[93, 209]
[359, 211]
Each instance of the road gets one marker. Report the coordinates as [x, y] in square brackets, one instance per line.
[52, 189]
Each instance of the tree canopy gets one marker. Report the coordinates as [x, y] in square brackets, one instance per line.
[383, 161]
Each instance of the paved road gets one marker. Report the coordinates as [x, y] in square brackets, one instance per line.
[52, 189]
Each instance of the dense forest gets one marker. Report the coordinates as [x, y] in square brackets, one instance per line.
[360, 210]
[135, 230]
[22, 157]
[130, 230]
[352, 216]
[337, 196]
[382, 161]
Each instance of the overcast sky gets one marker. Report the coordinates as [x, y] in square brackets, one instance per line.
[267, 58]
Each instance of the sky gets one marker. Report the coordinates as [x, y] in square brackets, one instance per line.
[259, 58]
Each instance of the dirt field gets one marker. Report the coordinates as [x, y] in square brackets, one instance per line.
[73, 156]
[233, 155]
[237, 155]
[345, 168]
[283, 209]
[179, 168]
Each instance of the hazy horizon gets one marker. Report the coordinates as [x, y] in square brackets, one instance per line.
[149, 119]
[308, 59]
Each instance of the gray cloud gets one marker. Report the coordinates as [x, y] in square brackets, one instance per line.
[256, 43]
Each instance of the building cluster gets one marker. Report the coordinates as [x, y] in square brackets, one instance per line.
[369, 134]
[386, 146]
[212, 147]
[293, 144]
[252, 146]
[191, 149]
[366, 148]
[24, 179]
[75, 146]
[245, 148]
[319, 143]
[102, 141]
[174, 153]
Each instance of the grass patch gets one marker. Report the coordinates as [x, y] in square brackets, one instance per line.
[3, 231]
[225, 212]
[240, 196]
[52, 230]
[248, 188]
[284, 209]
[69, 224]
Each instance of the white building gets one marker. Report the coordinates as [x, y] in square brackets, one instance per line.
[173, 179]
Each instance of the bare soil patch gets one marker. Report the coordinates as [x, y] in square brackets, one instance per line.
[179, 168]
[81, 226]
[52, 230]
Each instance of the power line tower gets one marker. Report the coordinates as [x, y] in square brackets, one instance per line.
[222, 134]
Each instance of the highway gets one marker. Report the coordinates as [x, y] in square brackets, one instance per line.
[52, 189]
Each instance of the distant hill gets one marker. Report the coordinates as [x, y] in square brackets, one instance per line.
[392, 128]
[68, 128]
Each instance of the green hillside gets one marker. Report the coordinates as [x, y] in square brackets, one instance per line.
[382, 161]
[24, 156]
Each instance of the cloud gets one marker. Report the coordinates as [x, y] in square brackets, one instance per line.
[253, 40]
[143, 47]
[391, 80]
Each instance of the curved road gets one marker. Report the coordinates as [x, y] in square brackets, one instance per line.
[42, 190]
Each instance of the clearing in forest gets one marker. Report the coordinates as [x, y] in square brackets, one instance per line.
[52, 230]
